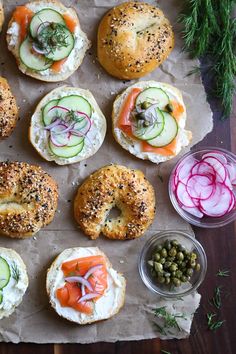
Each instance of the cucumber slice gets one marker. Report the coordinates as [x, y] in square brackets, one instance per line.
[48, 116]
[153, 95]
[66, 151]
[60, 52]
[168, 134]
[5, 273]
[45, 15]
[152, 131]
[36, 62]
[76, 103]
[75, 140]
[1, 297]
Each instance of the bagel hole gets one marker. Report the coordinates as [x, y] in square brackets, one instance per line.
[114, 213]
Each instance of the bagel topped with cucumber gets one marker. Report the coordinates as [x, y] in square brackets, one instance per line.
[67, 126]
[46, 39]
[149, 121]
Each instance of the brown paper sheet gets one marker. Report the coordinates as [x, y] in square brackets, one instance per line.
[34, 320]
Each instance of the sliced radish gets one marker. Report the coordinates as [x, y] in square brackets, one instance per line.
[184, 169]
[219, 168]
[200, 187]
[183, 196]
[218, 155]
[194, 211]
[203, 168]
[219, 202]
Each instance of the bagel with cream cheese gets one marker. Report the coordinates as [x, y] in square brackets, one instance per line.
[149, 120]
[83, 287]
[115, 186]
[1, 15]
[52, 45]
[8, 110]
[28, 199]
[67, 126]
[13, 281]
[134, 38]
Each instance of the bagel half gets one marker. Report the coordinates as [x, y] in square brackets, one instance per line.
[13, 282]
[134, 145]
[28, 199]
[115, 186]
[75, 58]
[93, 139]
[105, 307]
[8, 109]
[134, 38]
[1, 15]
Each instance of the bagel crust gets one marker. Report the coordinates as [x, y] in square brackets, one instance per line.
[28, 199]
[8, 109]
[133, 40]
[1, 15]
[115, 186]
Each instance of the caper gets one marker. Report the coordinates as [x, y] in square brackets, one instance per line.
[183, 278]
[167, 281]
[180, 256]
[162, 260]
[158, 248]
[151, 263]
[176, 282]
[153, 272]
[167, 245]
[183, 265]
[174, 243]
[157, 257]
[179, 263]
[158, 266]
[188, 278]
[145, 105]
[193, 255]
[172, 252]
[161, 280]
[167, 265]
[178, 274]
[146, 123]
[170, 259]
[181, 248]
[167, 274]
[164, 252]
[193, 264]
[173, 274]
[189, 272]
[169, 107]
[173, 267]
[198, 267]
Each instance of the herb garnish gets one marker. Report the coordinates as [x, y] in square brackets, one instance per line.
[216, 299]
[209, 30]
[15, 272]
[52, 37]
[213, 325]
[165, 352]
[169, 320]
[223, 273]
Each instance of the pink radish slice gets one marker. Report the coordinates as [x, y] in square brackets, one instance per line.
[183, 196]
[218, 167]
[203, 168]
[232, 206]
[200, 187]
[194, 211]
[219, 156]
[231, 171]
[184, 169]
[219, 202]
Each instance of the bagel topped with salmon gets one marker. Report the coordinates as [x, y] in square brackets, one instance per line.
[46, 40]
[83, 287]
[149, 121]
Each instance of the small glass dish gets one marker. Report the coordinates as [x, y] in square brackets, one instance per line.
[205, 221]
[170, 291]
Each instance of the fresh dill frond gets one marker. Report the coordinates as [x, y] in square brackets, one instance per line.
[216, 299]
[213, 325]
[169, 320]
[165, 352]
[15, 272]
[195, 70]
[223, 273]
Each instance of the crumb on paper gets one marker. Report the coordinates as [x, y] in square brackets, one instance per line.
[122, 261]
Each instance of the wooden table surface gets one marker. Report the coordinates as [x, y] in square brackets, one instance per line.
[220, 247]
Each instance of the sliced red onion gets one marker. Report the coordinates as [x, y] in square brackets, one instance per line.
[57, 136]
[53, 124]
[80, 280]
[87, 297]
[92, 270]
[38, 50]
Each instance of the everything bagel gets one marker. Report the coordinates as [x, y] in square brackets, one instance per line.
[134, 39]
[115, 186]
[28, 199]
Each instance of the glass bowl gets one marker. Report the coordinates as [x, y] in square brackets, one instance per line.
[191, 244]
[205, 221]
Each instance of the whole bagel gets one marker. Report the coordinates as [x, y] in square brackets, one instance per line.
[28, 199]
[8, 110]
[115, 186]
[134, 39]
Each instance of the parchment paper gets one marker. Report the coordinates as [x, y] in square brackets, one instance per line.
[34, 320]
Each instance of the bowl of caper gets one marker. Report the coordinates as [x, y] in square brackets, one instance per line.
[172, 264]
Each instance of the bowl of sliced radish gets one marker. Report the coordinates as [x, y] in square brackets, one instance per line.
[202, 187]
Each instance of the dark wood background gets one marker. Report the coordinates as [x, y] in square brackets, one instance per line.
[220, 246]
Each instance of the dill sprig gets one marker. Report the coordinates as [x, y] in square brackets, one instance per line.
[15, 272]
[165, 352]
[169, 320]
[210, 30]
[52, 37]
[216, 299]
[213, 325]
[223, 273]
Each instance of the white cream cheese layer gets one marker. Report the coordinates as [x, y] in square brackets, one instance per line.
[104, 306]
[14, 32]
